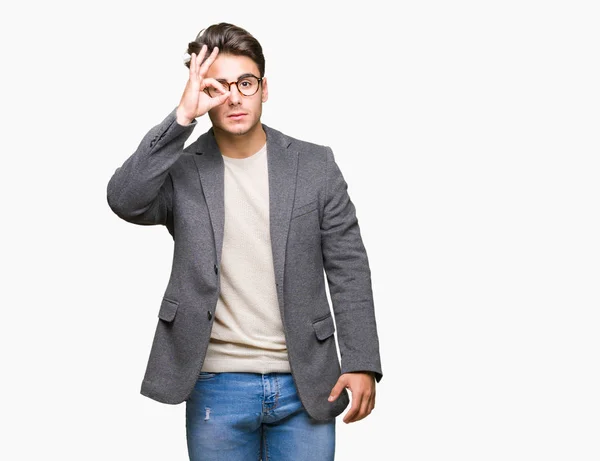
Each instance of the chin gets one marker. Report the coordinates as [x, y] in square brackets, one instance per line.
[237, 128]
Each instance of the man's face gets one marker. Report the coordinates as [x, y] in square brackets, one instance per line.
[239, 114]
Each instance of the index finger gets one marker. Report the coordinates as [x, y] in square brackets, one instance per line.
[354, 409]
[206, 65]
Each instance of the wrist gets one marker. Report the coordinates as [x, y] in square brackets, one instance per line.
[182, 119]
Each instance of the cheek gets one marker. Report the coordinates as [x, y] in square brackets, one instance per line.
[257, 106]
[215, 112]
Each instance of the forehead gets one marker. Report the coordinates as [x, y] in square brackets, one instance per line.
[230, 67]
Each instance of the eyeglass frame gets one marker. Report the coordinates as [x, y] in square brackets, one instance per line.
[227, 84]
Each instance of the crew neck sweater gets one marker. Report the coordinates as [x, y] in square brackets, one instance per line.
[247, 334]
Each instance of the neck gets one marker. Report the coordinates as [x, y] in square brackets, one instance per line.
[241, 145]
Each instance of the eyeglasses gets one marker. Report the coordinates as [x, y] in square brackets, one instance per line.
[247, 85]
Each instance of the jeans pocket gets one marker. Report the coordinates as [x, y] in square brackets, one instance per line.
[205, 375]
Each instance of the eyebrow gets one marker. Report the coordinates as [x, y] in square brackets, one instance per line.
[239, 78]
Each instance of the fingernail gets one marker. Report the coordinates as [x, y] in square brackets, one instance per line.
[330, 398]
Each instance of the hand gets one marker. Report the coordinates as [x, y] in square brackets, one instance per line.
[362, 386]
[194, 101]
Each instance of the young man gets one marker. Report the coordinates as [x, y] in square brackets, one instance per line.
[245, 334]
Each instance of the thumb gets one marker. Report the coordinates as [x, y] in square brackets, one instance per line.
[337, 389]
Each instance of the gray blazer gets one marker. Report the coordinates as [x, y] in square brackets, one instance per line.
[314, 233]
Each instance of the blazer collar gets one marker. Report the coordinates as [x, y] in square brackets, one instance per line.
[207, 143]
[282, 162]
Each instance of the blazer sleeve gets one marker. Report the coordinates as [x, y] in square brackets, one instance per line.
[349, 277]
[141, 190]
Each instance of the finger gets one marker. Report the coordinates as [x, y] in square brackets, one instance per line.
[195, 63]
[208, 62]
[199, 59]
[337, 389]
[194, 68]
[192, 65]
[214, 102]
[354, 409]
[370, 393]
[201, 55]
[363, 398]
[213, 84]
[365, 408]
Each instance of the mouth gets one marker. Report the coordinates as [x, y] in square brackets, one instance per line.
[236, 116]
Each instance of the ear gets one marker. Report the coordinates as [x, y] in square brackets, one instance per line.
[265, 90]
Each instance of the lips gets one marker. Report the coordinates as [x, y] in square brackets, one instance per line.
[236, 116]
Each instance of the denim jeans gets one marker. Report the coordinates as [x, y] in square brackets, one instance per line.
[252, 417]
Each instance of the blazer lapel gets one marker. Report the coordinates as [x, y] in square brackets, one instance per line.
[282, 164]
[211, 170]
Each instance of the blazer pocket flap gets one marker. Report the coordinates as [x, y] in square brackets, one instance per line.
[303, 209]
[168, 309]
[324, 327]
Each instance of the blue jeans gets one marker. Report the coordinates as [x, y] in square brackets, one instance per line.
[252, 417]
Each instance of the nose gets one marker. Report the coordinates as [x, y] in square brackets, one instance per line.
[234, 95]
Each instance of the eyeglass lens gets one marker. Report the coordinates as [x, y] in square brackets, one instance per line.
[247, 86]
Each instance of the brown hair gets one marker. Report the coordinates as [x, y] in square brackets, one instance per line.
[229, 39]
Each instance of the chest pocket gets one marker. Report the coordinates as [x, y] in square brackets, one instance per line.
[304, 209]
[304, 226]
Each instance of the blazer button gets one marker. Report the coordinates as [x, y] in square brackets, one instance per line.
[216, 269]
[209, 315]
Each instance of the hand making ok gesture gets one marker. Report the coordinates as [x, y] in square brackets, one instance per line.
[194, 101]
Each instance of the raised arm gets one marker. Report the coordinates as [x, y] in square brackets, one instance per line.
[141, 190]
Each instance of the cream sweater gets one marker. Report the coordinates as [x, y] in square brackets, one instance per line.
[247, 334]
